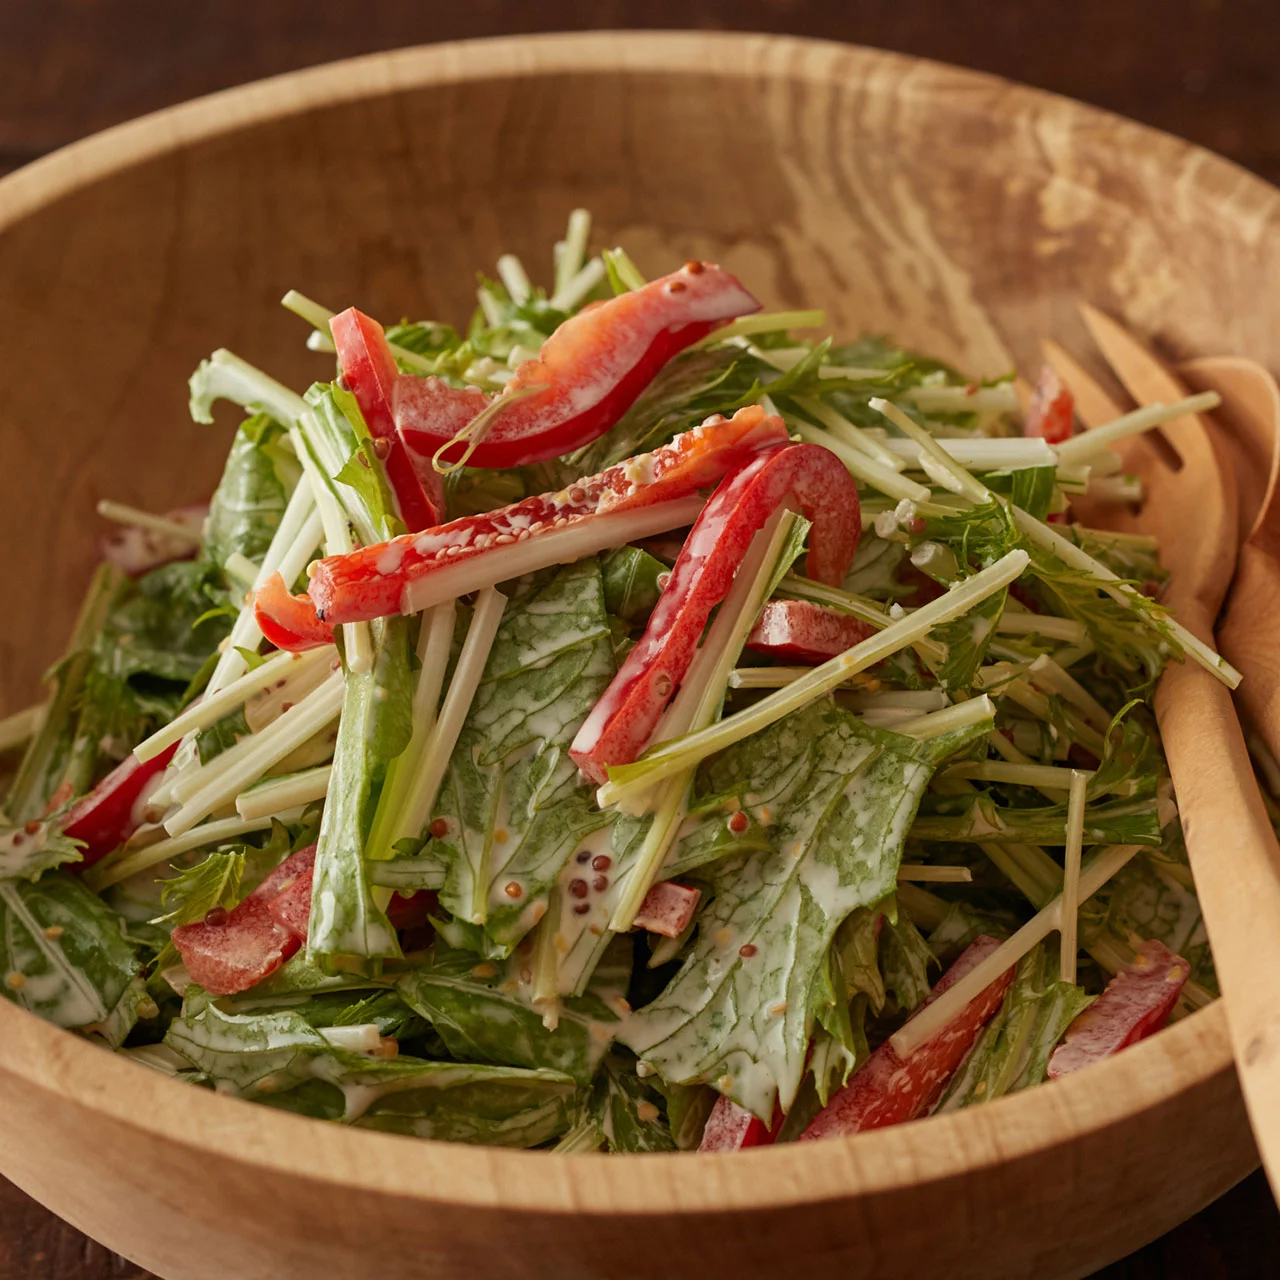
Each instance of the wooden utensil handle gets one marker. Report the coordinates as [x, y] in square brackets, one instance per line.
[1236, 862]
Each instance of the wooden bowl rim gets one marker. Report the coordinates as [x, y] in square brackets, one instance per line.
[278, 1143]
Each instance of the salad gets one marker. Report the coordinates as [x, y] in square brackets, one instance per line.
[628, 723]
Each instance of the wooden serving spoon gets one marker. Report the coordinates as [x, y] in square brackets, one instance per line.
[1250, 411]
[1250, 627]
[1191, 506]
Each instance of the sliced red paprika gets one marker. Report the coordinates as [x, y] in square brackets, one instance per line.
[1137, 1002]
[1052, 414]
[888, 1089]
[370, 372]
[620, 724]
[648, 494]
[668, 908]
[288, 621]
[588, 373]
[801, 631]
[235, 950]
[733, 1128]
[110, 813]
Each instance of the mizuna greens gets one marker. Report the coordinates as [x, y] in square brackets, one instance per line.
[627, 723]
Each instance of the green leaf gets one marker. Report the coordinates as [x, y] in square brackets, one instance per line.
[626, 1110]
[1013, 1050]
[63, 954]
[1137, 640]
[374, 728]
[214, 739]
[836, 798]
[343, 445]
[905, 960]
[482, 1018]
[46, 758]
[250, 499]
[190, 895]
[977, 817]
[631, 582]
[281, 1059]
[424, 337]
[515, 804]
[24, 854]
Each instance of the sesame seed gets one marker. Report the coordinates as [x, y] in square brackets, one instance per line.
[646, 1112]
[483, 970]
[15, 981]
[513, 890]
[54, 932]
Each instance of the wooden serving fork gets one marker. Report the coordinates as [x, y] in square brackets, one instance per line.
[1191, 507]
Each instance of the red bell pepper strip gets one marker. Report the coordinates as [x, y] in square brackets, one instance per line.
[733, 1128]
[588, 373]
[288, 621]
[887, 1089]
[1052, 414]
[800, 631]
[415, 571]
[1136, 1003]
[110, 813]
[231, 951]
[135, 551]
[620, 724]
[667, 909]
[370, 372]
[412, 910]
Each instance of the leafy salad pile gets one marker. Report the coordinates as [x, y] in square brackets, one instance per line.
[626, 724]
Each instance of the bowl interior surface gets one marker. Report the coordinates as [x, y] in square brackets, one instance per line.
[955, 212]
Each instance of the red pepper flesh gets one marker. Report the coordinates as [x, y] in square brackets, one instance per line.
[412, 572]
[588, 373]
[620, 724]
[888, 1089]
[370, 372]
[733, 1128]
[110, 813]
[288, 621]
[1137, 1002]
[1052, 414]
[667, 909]
[233, 953]
[801, 631]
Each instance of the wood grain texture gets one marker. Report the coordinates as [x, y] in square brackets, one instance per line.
[870, 184]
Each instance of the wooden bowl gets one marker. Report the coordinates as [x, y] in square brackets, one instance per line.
[958, 212]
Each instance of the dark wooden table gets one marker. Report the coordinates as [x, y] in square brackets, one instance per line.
[1206, 69]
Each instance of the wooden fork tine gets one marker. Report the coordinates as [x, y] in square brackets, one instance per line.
[1141, 371]
[1094, 404]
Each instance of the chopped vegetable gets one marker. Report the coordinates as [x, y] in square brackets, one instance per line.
[1136, 1004]
[649, 494]
[630, 810]
[623, 721]
[1052, 415]
[800, 631]
[583, 379]
[231, 951]
[889, 1089]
